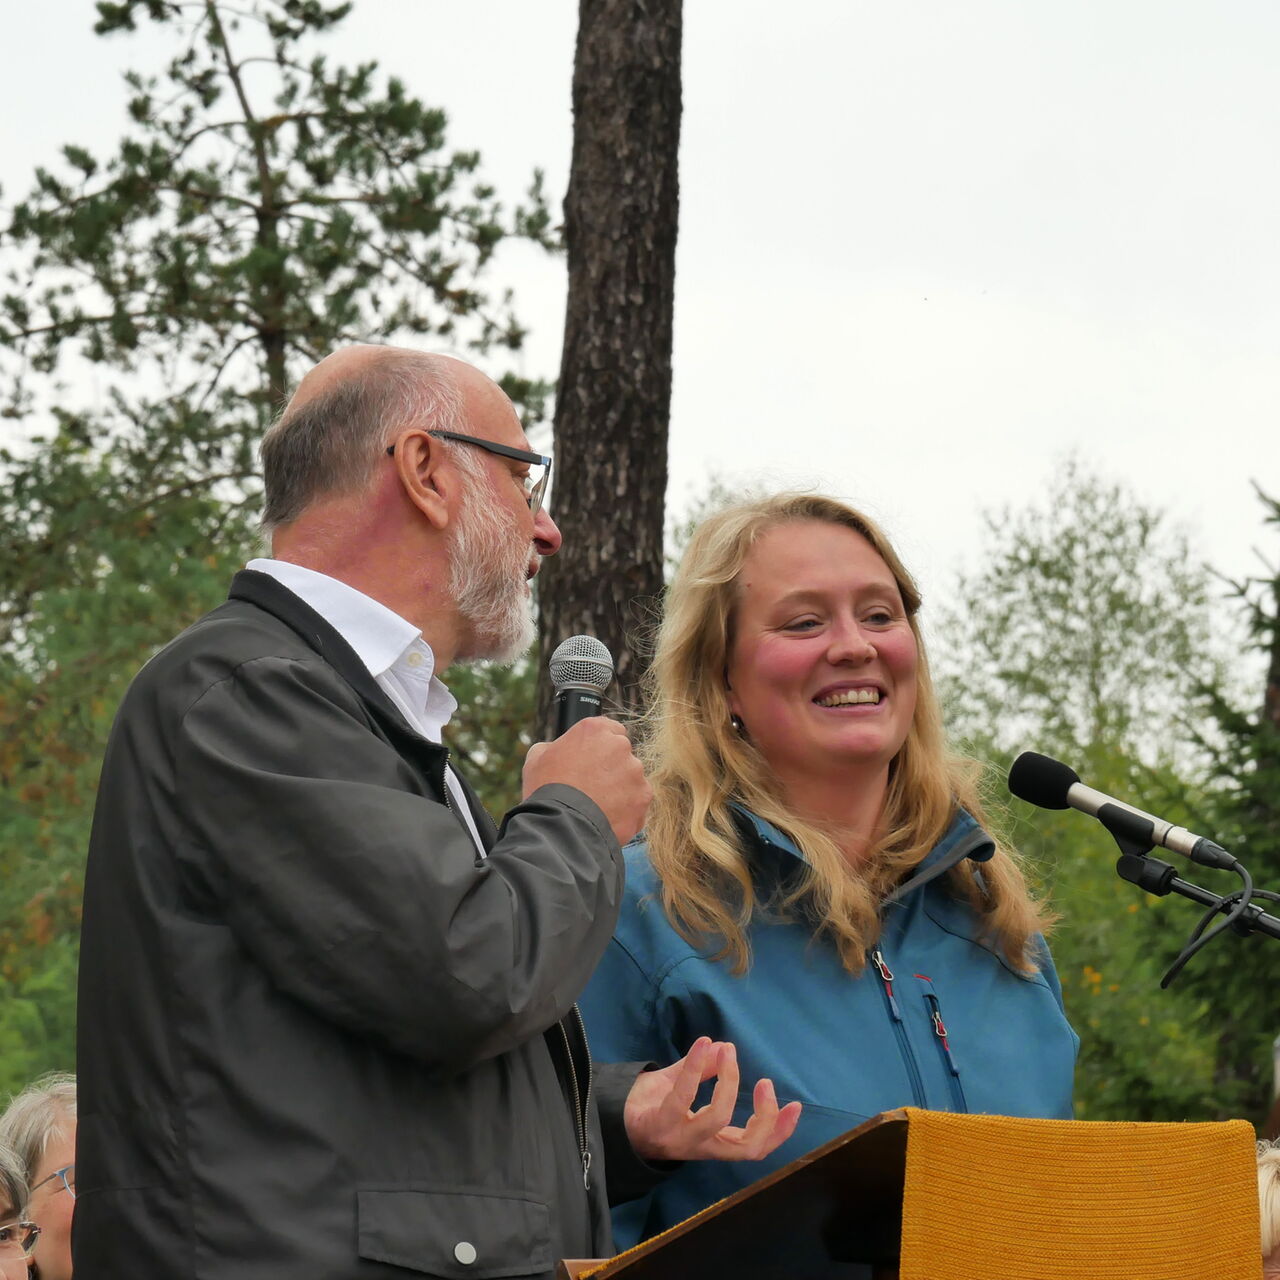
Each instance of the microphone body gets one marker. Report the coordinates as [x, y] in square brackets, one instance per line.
[581, 669]
[573, 704]
[1050, 784]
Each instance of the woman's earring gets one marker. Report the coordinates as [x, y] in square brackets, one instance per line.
[735, 723]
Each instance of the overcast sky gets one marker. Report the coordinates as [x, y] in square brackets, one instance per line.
[926, 249]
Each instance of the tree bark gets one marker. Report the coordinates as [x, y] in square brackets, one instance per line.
[614, 395]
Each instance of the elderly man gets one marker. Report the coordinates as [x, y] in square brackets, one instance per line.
[40, 1126]
[327, 1020]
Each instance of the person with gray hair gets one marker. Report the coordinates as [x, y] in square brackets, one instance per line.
[40, 1125]
[17, 1234]
[327, 1021]
[1269, 1206]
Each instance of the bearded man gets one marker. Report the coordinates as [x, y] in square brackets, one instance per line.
[326, 1009]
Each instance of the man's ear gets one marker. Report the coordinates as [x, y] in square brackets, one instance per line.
[428, 481]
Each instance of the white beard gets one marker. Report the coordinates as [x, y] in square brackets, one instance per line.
[488, 567]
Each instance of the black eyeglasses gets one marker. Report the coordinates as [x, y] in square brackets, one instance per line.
[535, 486]
[68, 1175]
[17, 1239]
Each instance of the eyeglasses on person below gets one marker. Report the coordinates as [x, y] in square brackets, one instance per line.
[535, 486]
[17, 1239]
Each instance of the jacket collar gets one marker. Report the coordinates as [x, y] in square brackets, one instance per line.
[764, 832]
[267, 593]
[262, 590]
[964, 838]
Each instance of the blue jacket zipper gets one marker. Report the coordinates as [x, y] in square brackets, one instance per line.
[944, 1045]
[895, 1014]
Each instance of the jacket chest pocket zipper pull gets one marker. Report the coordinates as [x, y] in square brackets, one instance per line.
[940, 1031]
[934, 1007]
[886, 976]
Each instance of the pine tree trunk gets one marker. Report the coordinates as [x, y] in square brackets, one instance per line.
[614, 396]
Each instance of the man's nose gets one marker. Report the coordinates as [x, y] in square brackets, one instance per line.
[546, 534]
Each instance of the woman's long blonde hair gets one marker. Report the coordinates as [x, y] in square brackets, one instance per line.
[698, 765]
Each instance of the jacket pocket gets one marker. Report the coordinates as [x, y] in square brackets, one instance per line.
[458, 1233]
[933, 1008]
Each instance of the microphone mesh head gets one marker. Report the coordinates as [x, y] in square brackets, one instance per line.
[581, 662]
[1041, 780]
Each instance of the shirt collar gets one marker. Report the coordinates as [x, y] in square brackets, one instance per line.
[377, 635]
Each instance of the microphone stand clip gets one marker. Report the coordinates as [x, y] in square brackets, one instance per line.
[1135, 837]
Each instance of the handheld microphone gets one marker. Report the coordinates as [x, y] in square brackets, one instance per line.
[581, 669]
[1050, 784]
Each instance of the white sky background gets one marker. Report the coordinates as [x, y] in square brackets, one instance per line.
[925, 248]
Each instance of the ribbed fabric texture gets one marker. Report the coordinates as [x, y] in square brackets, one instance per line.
[995, 1198]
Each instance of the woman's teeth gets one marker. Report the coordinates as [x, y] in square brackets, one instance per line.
[849, 698]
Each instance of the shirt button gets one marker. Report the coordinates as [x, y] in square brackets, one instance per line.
[416, 659]
[465, 1252]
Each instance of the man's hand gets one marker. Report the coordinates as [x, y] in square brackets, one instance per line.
[661, 1125]
[596, 757]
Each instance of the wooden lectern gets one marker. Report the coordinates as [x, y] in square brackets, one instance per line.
[930, 1195]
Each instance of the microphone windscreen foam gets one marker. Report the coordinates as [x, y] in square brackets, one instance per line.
[1041, 780]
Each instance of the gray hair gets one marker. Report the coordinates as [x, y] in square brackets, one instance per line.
[37, 1116]
[333, 441]
[13, 1183]
[1269, 1201]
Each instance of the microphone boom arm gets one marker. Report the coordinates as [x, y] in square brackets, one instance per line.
[1161, 878]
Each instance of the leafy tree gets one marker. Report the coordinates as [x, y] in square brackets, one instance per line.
[264, 207]
[1238, 973]
[493, 732]
[1084, 634]
[614, 394]
[1086, 626]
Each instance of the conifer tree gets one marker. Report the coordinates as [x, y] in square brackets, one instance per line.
[264, 206]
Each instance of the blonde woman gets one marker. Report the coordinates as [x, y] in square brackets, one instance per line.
[814, 882]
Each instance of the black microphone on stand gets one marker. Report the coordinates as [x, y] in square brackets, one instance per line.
[1043, 781]
[581, 669]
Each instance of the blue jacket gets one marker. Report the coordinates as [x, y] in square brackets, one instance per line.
[847, 1047]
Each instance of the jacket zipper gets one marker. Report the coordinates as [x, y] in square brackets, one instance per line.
[580, 1101]
[895, 1013]
[944, 1045]
[444, 781]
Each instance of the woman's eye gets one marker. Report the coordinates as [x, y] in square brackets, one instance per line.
[8, 1234]
[801, 624]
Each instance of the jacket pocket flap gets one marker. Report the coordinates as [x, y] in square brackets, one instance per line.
[460, 1232]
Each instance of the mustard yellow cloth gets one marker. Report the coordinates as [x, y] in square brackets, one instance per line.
[995, 1198]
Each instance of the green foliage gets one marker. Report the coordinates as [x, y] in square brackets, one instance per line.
[1145, 1054]
[264, 207]
[1238, 973]
[492, 732]
[1087, 626]
[1066, 644]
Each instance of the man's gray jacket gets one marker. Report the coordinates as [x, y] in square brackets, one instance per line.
[319, 1036]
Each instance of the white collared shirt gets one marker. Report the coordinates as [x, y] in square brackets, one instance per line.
[398, 658]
